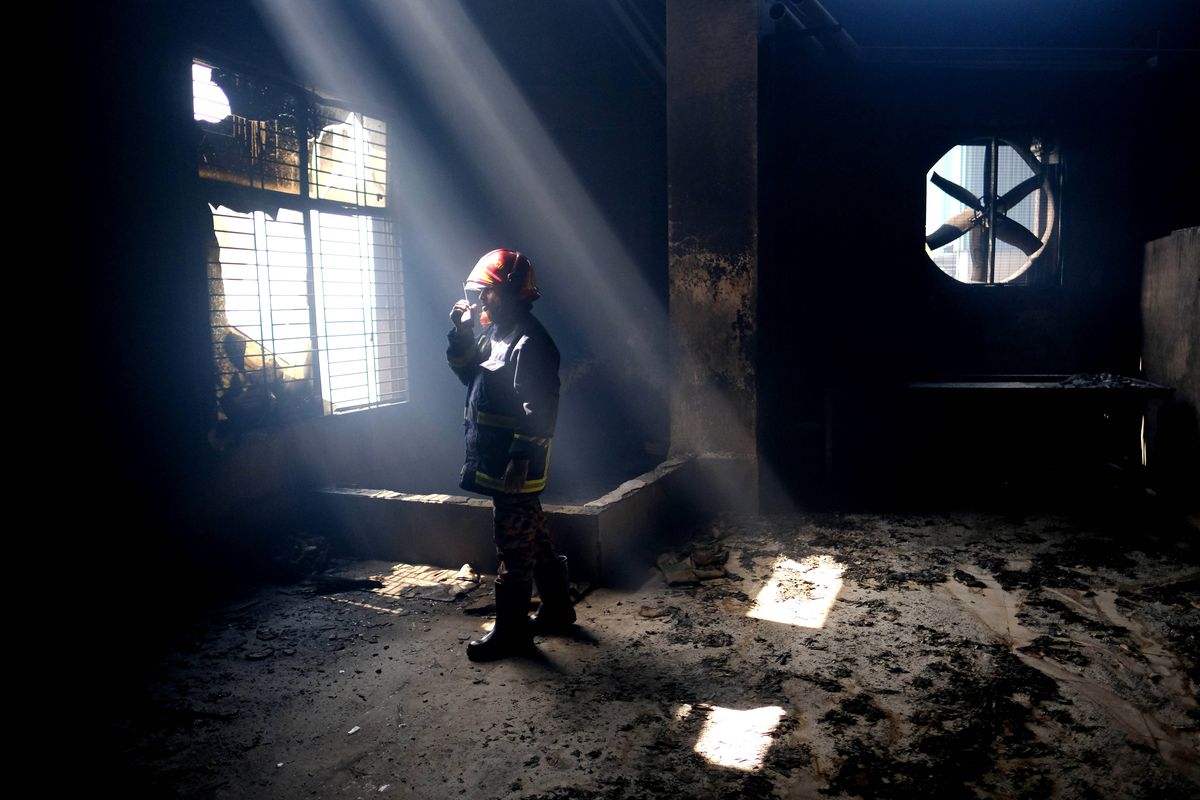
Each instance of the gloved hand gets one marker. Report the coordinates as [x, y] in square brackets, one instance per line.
[515, 474]
[460, 315]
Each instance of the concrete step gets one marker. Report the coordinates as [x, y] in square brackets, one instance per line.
[612, 540]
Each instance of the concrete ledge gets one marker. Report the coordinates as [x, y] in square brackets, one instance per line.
[611, 540]
[662, 507]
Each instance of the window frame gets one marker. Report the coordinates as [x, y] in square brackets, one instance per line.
[249, 198]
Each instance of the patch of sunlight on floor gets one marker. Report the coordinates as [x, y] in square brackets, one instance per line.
[733, 738]
[428, 583]
[414, 582]
[431, 498]
[800, 592]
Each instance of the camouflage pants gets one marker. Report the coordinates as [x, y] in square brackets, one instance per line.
[522, 537]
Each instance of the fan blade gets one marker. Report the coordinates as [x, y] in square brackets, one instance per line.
[1018, 193]
[957, 192]
[952, 228]
[1017, 235]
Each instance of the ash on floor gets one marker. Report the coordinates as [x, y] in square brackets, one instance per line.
[872, 656]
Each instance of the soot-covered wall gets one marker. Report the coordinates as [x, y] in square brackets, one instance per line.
[851, 307]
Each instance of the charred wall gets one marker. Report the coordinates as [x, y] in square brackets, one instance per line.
[713, 267]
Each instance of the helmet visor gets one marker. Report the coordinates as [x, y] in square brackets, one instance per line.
[472, 294]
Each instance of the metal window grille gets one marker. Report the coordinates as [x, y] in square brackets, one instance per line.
[348, 161]
[306, 300]
[258, 297]
[360, 311]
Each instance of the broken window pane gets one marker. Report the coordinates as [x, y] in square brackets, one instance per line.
[247, 129]
[265, 329]
[261, 325]
[348, 158]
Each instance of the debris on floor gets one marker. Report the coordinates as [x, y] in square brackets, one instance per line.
[299, 556]
[333, 584]
[851, 656]
[700, 561]
[482, 606]
[1101, 380]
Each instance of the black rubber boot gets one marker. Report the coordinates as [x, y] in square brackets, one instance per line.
[511, 636]
[555, 614]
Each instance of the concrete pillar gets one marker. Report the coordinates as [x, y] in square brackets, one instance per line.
[712, 163]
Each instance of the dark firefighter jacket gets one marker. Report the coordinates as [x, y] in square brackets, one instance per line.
[512, 402]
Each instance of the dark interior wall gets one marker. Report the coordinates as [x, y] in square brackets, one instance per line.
[847, 290]
[144, 301]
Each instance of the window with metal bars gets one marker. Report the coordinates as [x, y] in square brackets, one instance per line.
[305, 282]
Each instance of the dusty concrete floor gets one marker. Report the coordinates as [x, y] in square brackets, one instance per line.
[936, 656]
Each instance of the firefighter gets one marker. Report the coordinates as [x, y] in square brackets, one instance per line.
[510, 370]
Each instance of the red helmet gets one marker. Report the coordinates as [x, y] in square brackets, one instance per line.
[505, 268]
